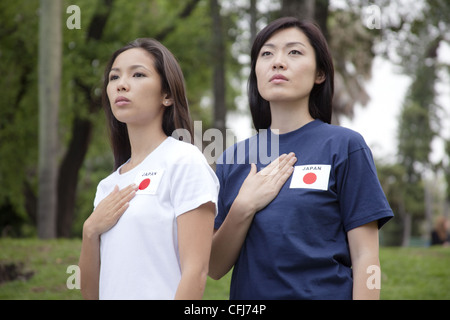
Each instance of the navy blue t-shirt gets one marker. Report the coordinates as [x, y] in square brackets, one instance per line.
[296, 247]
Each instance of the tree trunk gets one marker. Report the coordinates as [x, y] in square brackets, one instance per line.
[50, 56]
[68, 175]
[303, 9]
[253, 19]
[407, 227]
[428, 208]
[219, 86]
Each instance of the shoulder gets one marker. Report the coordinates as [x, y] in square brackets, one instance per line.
[343, 137]
[341, 132]
[181, 152]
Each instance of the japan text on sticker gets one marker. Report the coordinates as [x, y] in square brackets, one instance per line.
[148, 181]
[311, 176]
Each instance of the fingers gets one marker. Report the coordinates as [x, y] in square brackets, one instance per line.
[253, 170]
[272, 167]
[110, 209]
[285, 172]
[122, 198]
[281, 164]
[117, 201]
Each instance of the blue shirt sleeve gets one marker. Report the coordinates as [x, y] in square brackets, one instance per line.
[361, 197]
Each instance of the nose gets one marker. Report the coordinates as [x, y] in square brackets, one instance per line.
[122, 85]
[278, 63]
[279, 66]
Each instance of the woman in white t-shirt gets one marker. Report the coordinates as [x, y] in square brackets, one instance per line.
[149, 236]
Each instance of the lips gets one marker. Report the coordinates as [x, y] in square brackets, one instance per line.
[120, 101]
[278, 78]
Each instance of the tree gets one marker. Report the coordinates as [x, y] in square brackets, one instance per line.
[50, 56]
[18, 116]
[82, 127]
[218, 52]
[416, 134]
[392, 179]
[413, 42]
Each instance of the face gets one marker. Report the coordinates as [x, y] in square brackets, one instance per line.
[286, 67]
[134, 88]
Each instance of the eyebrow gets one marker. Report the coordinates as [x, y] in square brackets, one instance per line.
[136, 66]
[289, 44]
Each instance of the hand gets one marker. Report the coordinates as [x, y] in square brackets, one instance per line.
[259, 189]
[109, 210]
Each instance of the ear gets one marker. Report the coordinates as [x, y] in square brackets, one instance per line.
[320, 77]
[167, 101]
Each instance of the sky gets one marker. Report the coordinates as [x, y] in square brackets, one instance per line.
[377, 122]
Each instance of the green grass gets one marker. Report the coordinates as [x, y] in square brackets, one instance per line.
[415, 273]
[48, 260]
[407, 273]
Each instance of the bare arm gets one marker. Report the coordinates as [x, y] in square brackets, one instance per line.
[364, 251]
[104, 217]
[195, 230]
[257, 191]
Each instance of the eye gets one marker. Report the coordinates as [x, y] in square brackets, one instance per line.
[113, 77]
[138, 75]
[295, 52]
[265, 53]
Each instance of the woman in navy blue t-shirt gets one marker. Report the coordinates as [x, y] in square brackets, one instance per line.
[303, 225]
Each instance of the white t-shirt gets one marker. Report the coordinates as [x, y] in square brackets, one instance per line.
[139, 255]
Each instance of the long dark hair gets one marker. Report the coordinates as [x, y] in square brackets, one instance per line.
[321, 96]
[175, 116]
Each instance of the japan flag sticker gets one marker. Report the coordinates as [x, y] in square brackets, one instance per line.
[148, 181]
[311, 176]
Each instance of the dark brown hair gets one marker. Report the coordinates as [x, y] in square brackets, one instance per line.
[175, 116]
[321, 96]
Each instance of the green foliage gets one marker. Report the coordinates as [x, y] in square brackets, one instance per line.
[412, 40]
[18, 111]
[415, 136]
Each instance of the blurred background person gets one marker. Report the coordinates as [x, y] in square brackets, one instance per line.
[440, 234]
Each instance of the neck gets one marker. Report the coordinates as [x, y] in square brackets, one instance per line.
[289, 116]
[143, 140]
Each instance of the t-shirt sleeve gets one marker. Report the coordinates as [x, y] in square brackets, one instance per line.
[361, 197]
[193, 183]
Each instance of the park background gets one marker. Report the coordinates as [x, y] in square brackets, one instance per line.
[392, 61]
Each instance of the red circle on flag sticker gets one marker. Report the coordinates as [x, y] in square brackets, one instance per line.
[144, 184]
[309, 178]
